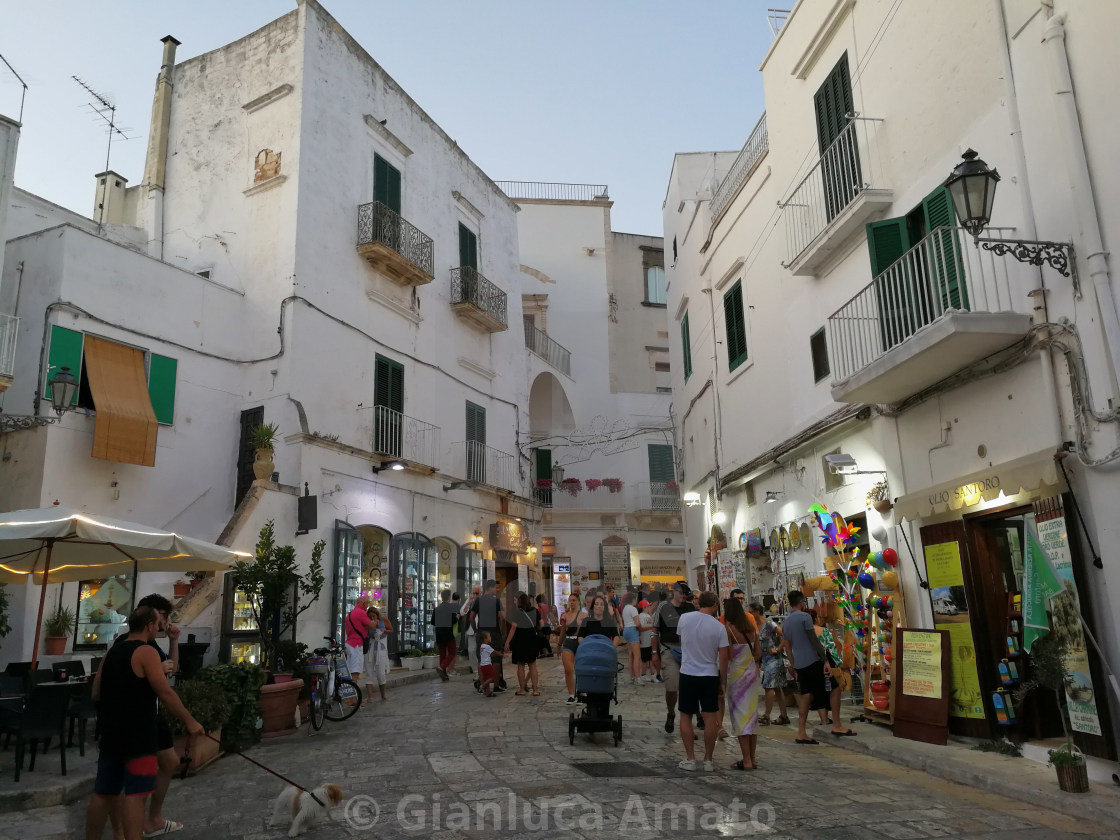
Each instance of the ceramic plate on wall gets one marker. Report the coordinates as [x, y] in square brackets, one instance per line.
[794, 536]
[774, 540]
[806, 535]
[784, 537]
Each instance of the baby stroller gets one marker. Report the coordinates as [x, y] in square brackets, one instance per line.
[596, 685]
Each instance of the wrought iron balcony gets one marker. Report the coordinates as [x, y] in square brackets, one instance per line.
[399, 436]
[660, 496]
[481, 464]
[844, 190]
[9, 326]
[551, 351]
[545, 191]
[753, 151]
[940, 307]
[476, 299]
[393, 246]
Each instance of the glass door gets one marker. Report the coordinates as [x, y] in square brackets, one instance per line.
[347, 573]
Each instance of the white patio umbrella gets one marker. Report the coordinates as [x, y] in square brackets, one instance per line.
[56, 544]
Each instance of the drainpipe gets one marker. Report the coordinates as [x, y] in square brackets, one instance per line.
[1077, 165]
[1030, 225]
[155, 163]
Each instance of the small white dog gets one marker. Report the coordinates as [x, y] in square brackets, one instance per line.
[299, 808]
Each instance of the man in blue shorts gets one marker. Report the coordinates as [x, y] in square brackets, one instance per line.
[130, 680]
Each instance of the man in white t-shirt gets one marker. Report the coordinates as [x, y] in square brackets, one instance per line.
[703, 676]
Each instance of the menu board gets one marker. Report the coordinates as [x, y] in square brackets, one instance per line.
[921, 692]
[616, 564]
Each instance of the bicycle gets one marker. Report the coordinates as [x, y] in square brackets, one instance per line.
[334, 696]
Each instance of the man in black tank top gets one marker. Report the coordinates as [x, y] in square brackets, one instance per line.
[130, 681]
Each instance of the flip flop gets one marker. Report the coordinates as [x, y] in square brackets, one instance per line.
[169, 826]
[809, 741]
[849, 734]
[538, 694]
[739, 765]
[521, 693]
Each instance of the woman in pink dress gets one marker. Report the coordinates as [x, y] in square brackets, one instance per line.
[742, 680]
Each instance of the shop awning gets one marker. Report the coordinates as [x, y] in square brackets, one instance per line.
[1011, 478]
[126, 424]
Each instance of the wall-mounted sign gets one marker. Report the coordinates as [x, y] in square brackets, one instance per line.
[548, 546]
[615, 561]
[509, 536]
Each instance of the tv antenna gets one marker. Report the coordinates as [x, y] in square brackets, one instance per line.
[107, 111]
[23, 84]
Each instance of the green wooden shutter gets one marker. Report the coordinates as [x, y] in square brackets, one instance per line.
[544, 464]
[468, 247]
[841, 174]
[736, 326]
[944, 255]
[686, 347]
[66, 349]
[476, 423]
[660, 462]
[832, 102]
[386, 184]
[389, 384]
[161, 387]
[896, 293]
[886, 242]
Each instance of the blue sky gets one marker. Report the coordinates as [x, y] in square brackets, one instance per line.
[584, 91]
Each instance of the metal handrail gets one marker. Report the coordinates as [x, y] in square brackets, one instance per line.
[754, 150]
[484, 464]
[548, 349]
[468, 286]
[943, 272]
[377, 222]
[550, 191]
[401, 436]
[9, 327]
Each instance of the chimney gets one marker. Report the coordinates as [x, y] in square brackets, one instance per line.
[108, 199]
[155, 164]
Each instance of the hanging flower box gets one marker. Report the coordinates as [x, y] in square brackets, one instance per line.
[670, 485]
[571, 486]
[613, 484]
[544, 483]
[593, 484]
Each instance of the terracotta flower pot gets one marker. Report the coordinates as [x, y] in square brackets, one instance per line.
[182, 589]
[197, 582]
[882, 506]
[262, 465]
[55, 645]
[278, 707]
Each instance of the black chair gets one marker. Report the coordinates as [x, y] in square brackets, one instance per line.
[83, 708]
[95, 666]
[43, 718]
[18, 669]
[73, 668]
[11, 686]
[40, 675]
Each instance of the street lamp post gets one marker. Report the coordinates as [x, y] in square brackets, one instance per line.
[63, 387]
[972, 187]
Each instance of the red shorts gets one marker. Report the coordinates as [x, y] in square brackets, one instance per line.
[486, 673]
[130, 776]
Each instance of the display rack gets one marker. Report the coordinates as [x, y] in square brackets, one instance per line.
[1009, 666]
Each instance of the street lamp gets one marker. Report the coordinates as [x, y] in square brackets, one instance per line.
[972, 187]
[557, 473]
[63, 387]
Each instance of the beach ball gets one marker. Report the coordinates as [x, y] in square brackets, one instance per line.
[891, 556]
[890, 579]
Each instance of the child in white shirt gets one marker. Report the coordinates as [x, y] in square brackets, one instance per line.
[487, 674]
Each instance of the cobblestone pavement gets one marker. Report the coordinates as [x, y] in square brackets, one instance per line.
[439, 760]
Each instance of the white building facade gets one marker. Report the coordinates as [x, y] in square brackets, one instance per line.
[307, 248]
[826, 301]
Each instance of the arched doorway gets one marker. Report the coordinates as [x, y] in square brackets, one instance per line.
[375, 566]
[413, 587]
[550, 414]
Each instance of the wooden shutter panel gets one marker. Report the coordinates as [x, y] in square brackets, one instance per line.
[544, 464]
[388, 384]
[944, 254]
[476, 423]
[832, 102]
[66, 349]
[468, 247]
[396, 402]
[660, 462]
[686, 346]
[886, 241]
[161, 387]
[386, 184]
[736, 326]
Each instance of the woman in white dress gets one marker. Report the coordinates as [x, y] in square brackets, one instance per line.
[376, 664]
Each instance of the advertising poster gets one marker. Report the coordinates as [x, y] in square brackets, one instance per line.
[491, 570]
[922, 655]
[731, 573]
[522, 579]
[1066, 622]
[950, 613]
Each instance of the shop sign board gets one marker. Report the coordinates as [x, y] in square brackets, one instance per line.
[491, 570]
[921, 698]
[509, 536]
[922, 677]
[950, 613]
[615, 561]
[662, 569]
[1066, 612]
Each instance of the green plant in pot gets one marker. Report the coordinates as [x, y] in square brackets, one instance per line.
[878, 496]
[263, 440]
[272, 580]
[58, 628]
[208, 704]
[241, 683]
[1047, 661]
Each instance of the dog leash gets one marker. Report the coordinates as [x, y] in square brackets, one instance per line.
[185, 761]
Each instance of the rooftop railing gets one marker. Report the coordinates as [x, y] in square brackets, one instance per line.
[754, 150]
[547, 191]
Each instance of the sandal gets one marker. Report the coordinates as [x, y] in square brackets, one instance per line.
[521, 693]
[783, 721]
[739, 765]
[536, 693]
[764, 721]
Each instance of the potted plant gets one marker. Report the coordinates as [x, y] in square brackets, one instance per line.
[58, 627]
[593, 484]
[571, 486]
[182, 588]
[241, 683]
[412, 659]
[270, 579]
[1047, 661]
[877, 497]
[196, 579]
[431, 657]
[613, 484]
[208, 704]
[263, 439]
